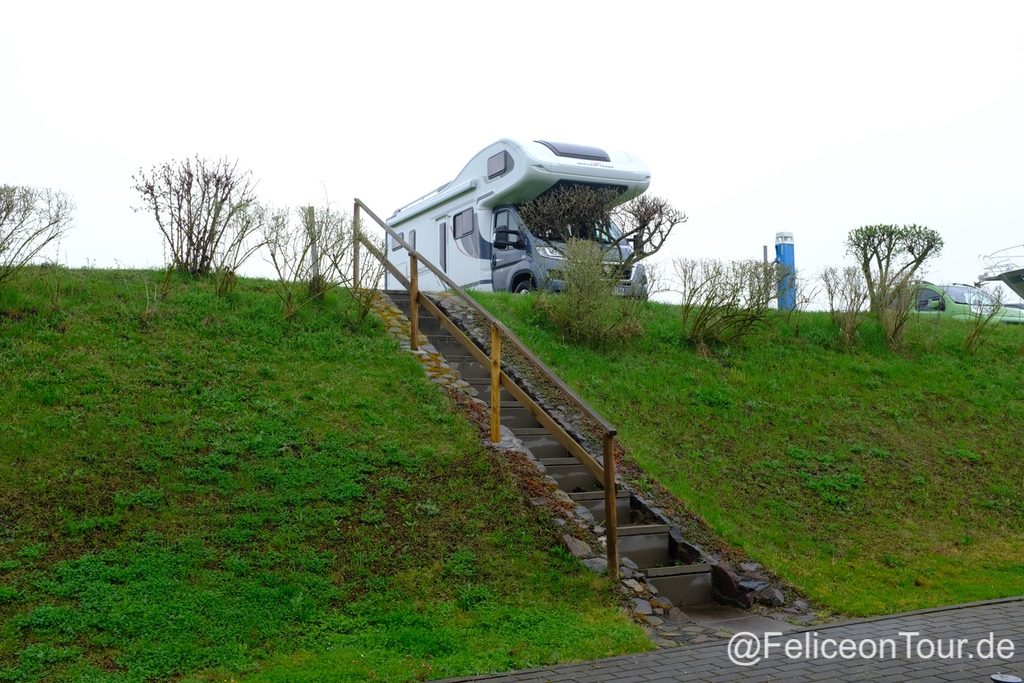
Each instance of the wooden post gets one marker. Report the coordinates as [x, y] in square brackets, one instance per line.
[495, 385]
[414, 303]
[610, 510]
[356, 235]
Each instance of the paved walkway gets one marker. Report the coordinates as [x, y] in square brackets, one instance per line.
[963, 643]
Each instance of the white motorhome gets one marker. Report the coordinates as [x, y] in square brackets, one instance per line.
[470, 228]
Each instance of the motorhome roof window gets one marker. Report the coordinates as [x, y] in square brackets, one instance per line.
[499, 164]
[563, 149]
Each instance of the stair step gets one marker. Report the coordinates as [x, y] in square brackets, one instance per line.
[684, 585]
[570, 475]
[483, 389]
[645, 544]
[542, 444]
[468, 367]
[515, 416]
[594, 501]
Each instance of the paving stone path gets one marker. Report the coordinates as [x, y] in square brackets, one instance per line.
[971, 643]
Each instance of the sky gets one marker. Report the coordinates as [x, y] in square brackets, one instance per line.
[753, 117]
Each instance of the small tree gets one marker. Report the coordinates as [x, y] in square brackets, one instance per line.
[889, 256]
[847, 293]
[30, 220]
[195, 203]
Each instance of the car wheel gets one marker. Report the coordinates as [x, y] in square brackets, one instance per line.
[524, 286]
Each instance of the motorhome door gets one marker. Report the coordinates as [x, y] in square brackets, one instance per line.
[508, 255]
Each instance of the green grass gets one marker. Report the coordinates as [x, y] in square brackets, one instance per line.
[874, 481]
[194, 489]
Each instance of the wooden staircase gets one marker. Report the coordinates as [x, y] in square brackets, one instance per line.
[642, 537]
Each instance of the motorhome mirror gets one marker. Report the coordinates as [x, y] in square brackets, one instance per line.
[505, 239]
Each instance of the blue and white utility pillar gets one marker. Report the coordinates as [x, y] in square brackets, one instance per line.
[785, 258]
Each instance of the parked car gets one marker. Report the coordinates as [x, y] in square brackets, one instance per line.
[962, 302]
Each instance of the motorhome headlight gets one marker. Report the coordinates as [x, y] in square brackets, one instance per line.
[549, 252]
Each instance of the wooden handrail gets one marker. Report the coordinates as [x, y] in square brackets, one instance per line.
[604, 471]
[510, 338]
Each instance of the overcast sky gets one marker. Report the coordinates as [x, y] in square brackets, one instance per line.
[812, 117]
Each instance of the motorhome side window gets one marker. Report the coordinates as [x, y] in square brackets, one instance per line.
[412, 239]
[462, 224]
[395, 244]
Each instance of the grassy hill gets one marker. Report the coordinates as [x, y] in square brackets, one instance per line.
[192, 488]
[874, 481]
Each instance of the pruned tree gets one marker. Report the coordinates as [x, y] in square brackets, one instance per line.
[646, 223]
[585, 212]
[847, 293]
[30, 220]
[889, 256]
[195, 203]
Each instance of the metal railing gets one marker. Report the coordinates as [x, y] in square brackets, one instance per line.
[604, 471]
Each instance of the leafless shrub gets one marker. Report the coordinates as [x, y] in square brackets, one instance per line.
[361, 289]
[806, 294]
[723, 302]
[895, 314]
[984, 318]
[197, 205]
[30, 220]
[847, 293]
[243, 237]
[588, 310]
[314, 255]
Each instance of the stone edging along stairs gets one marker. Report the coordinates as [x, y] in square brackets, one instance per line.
[657, 564]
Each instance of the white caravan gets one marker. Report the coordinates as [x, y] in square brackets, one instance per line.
[470, 228]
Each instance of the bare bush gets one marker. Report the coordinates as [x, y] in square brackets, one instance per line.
[313, 255]
[197, 204]
[806, 293]
[243, 237]
[362, 289]
[984, 318]
[588, 310]
[31, 219]
[847, 293]
[723, 302]
[895, 315]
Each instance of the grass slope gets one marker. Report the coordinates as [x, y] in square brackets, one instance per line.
[876, 482]
[194, 489]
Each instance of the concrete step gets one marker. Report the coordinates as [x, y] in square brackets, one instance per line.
[684, 585]
[468, 367]
[483, 390]
[542, 444]
[515, 416]
[594, 501]
[570, 475]
[645, 544]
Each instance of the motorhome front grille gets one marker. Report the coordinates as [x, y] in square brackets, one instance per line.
[626, 275]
